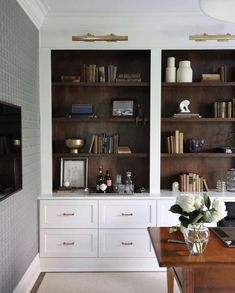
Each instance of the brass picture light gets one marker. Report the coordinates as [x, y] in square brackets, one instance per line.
[206, 37]
[107, 38]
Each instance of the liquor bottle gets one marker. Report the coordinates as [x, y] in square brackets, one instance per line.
[100, 182]
[109, 182]
[129, 186]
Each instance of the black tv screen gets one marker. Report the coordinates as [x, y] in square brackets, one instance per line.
[10, 149]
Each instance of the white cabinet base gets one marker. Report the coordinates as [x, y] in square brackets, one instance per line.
[99, 264]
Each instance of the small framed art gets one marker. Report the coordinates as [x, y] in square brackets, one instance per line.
[123, 107]
[74, 172]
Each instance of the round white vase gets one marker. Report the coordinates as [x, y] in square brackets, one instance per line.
[184, 72]
[170, 70]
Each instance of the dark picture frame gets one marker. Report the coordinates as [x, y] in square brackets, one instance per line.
[123, 107]
[74, 172]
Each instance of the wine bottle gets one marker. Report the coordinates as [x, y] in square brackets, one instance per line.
[100, 182]
[108, 181]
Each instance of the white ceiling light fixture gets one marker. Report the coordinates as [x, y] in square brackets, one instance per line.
[218, 9]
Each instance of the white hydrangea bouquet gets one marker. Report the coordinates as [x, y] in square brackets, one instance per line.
[198, 208]
[195, 210]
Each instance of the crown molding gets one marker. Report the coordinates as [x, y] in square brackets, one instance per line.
[36, 10]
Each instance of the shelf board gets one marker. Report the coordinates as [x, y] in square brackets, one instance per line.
[198, 155]
[198, 84]
[99, 120]
[102, 84]
[133, 155]
[175, 120]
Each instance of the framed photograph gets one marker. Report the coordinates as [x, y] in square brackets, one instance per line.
[74, 172]
[123, 107]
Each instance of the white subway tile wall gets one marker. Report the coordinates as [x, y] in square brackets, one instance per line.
[19, 84]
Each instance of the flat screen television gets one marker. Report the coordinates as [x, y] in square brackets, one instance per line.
[10, 149]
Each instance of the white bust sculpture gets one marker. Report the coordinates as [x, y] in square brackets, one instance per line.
[184, 106]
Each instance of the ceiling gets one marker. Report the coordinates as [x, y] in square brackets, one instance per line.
[43, 12]
[55, 6]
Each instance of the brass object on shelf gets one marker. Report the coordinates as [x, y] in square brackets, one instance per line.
[74, 144]
[92, 38]
[206, 37]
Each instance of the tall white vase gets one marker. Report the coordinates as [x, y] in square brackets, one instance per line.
[184, 72]
[170, 70]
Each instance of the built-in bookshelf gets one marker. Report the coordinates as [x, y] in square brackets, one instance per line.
[217, 129]
[97, 77]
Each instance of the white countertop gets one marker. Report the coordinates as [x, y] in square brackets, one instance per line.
[163, 195]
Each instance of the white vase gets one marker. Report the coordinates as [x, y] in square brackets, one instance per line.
[184, 72]
[170, 70]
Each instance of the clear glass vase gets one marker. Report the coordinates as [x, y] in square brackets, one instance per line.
[196, 237]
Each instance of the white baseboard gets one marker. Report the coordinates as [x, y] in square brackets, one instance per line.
[29, 278]
[74, 264]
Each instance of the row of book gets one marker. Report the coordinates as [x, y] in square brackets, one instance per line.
[224, 109]
[95, 73]
[175, 143]
[104, 144]
[192, 182]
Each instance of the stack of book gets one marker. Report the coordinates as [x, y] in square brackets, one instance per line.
[95, 73]
[192, 182]
[211, 77]
[175, 143]
[129, 77]
[215, 77]
[224, 109]
[104, 144]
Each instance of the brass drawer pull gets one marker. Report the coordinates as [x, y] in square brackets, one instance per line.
[127, 243]
[127, 214]
[68, 243]
[68, 214]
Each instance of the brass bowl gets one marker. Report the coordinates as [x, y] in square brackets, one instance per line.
[74, 144]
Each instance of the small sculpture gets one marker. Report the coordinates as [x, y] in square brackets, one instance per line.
[184, 106]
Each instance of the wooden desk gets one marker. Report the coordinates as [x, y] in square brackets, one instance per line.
[213, 271]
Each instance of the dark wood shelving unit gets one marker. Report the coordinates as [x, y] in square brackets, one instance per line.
[102, 84]
[132, 155]
[100, 120]
[133, 132]
[199, 84]
[217, 132]
[197, 120]
[197, 155]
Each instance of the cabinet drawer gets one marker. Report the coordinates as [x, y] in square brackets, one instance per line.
[127, 213]
[68, 214]
[125, 243]
[68, 243]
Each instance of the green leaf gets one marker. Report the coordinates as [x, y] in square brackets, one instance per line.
[207, 201]
[184, 221]
[176, 209]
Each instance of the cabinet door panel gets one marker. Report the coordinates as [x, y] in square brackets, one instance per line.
[127, 213]
[166, 218]
[68, 213]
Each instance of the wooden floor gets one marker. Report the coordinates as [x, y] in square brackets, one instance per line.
[38, 283]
